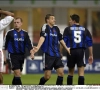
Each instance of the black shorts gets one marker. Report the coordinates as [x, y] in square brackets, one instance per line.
[77, 57]
[50, 62]
[17, 61]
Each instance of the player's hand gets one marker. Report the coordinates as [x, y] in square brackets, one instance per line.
[32, 54]
[90, 60]
[35, 49]
[61, 55]
[68, 49]
[5, 60]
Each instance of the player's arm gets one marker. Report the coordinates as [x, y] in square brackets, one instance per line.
[61, 50]
[64, 45]
[62, 41]
[6, 40]
[5, 45]
[43, 34]
[7, 13]
[4, 53]
[29, 45]
[66, 35]
[90, 51]
[89, 42]
[65, 38]
[90, 60]
[7, 20]
[41, 40]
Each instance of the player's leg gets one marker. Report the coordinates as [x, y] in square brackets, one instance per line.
[60, 73]
[71, 64]
[47, 67]
[45, 78]
[70, 76]
[81, 65]
[17, 77]
[81, 75]
[17, 61]
[9, 65]
[58, 65]
[1, 66]
[1, 78]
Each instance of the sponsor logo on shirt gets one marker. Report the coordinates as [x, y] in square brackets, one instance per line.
[54, 35]
[18, 39]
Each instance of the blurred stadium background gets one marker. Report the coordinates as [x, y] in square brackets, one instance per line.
[33, 12]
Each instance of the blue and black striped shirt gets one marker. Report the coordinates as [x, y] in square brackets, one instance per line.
[15, 42]
[77, 36]
[52, 37]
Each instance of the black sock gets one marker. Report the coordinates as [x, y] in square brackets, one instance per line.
[42, 81]
[13, 81]
[69, 80]
[81, 80]
[17, 81]
[59, 80]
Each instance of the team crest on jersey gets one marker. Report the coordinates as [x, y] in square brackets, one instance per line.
[22, 34]
[54, 30]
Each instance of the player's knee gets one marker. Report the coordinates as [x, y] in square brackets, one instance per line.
[17, 73]
[61, 73]
[81, 71]
[81, 74]
[71, 71]
[47, 77]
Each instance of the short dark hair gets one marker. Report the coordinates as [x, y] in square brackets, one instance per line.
[47, 17]
[75, 17]
[19, 18]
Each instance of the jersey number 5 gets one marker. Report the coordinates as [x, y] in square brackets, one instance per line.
[77, 36]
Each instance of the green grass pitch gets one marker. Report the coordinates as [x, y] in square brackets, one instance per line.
[33, 79]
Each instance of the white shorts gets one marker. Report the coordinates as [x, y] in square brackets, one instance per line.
[1, 60]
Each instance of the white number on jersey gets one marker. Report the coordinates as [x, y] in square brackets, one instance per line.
[77, 36]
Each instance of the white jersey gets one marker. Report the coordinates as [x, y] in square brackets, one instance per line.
[3, 24]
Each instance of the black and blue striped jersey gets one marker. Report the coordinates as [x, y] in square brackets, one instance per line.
[52, 37]
[16, 42]
[77, 36]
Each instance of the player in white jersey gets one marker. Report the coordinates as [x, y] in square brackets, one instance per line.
[3, 24]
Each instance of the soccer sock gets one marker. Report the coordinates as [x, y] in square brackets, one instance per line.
[17, 81]
[81, 80]
[42, 81]
[69, 80]
[13, 81]
[59, 80]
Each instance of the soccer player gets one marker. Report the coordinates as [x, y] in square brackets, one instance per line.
[50, 37]
[3, 24]
[77, 38]
[15, 42]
